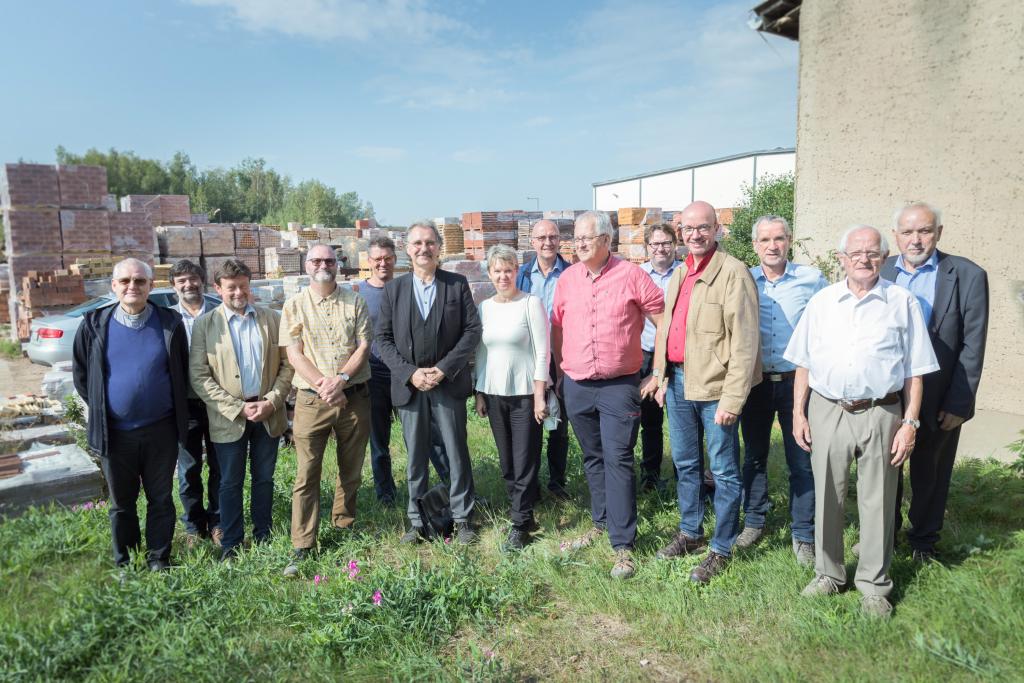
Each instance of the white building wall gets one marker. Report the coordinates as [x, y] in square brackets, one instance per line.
[775, 164]
[721, 184]
[669, 191]
[612, 197]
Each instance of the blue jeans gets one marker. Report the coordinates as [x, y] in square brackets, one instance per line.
[765, 400]
[197, 518]
[723, 452]
[260, 449]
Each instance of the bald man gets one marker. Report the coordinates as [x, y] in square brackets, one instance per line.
[707, 356]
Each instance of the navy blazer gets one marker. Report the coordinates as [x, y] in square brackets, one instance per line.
[958, 330]
[458, 333]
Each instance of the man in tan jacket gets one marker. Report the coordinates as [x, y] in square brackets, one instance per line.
[707, 355]
[240, 372]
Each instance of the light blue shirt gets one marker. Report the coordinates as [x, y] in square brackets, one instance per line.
[660, 279]
[781, 304]
[921, 282]
[245, 337]
[425, 294]
[189, 319]
[544, 286]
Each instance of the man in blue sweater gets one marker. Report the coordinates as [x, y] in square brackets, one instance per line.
[538, 277]
[130, 365]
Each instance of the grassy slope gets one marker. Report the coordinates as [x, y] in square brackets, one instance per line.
[449, 613]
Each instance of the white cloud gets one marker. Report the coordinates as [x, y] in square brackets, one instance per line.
[379, 153]
[326, 20]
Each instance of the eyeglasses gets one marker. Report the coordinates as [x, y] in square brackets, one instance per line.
[586, 240]
[546, 238]
[661, 245]
[704, 229]
[137, 281]
[869, 255]
[317, 262]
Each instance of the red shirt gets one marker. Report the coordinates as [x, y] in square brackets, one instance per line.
[676, 343]
[602, 318]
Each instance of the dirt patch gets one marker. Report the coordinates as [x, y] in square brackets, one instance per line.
[20, 376]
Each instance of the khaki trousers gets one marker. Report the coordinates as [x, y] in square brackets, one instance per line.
[313, 424]
[837, 438]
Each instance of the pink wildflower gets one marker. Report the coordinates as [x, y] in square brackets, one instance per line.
[88, 506]
[317, 580]
[447, 540]
[353, 569]
[489, 654]
[378, 597]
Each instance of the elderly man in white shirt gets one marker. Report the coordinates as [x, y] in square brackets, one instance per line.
[860, 349]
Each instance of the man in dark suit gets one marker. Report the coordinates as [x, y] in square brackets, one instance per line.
[953, 293]
[427, 331]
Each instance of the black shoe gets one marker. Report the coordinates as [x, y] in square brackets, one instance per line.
[464, 533]
[559, 493]
[387, 500]
[650, 484]
[713, 565]
[229, 555]
[516, 540]
[413, 535]
[159, 565]
[681, 544]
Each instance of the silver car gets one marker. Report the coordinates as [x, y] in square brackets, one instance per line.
[53, 336]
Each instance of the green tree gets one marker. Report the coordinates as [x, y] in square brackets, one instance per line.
[771, 195]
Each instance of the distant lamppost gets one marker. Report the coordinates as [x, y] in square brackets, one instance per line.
[536, 199]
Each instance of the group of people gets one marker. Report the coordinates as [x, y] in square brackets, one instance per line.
[880, 367]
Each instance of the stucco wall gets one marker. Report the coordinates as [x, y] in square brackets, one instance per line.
[924, 99]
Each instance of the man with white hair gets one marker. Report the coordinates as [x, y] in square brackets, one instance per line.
[130, 365]
[861, 349]
[953, 293]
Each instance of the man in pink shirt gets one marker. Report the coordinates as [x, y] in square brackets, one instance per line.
[596, 320]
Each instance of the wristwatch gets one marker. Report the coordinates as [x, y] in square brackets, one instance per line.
[916, 424]
[345, 376]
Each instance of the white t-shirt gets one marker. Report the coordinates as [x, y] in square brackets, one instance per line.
[513, 350]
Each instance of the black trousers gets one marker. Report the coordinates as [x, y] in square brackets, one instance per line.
[198, 518]
[518, 438]
[931, 468]
[558, 444]
[650, 427]
[146, 455]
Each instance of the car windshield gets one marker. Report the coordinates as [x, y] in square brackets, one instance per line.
[91, 304]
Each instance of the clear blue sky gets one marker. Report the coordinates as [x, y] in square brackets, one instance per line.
[424, 108]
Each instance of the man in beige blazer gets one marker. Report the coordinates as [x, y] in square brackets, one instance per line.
[239, 371]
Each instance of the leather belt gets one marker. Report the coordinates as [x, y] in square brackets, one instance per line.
[252, 399]
[347, 390]
[778, 376]
[865, 403]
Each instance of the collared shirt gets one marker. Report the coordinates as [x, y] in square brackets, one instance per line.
[245, 337]
[660, 279]
[675, 345]
[425, 293]
[602, 317]
[921, 282]
[543, 286]
[330, 328]
[781, 304]
[133, 321]
[190, 319]
[861, 348]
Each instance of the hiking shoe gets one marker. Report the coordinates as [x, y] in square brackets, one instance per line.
[584, 541]
[624, 566]
[516, 540]
[820, 585]
[804, 552]
[298, 556]
[559, 493]
[875, 606]
[217, 536]
[413, 535]
[749, 536]
[713, 565]
[464, 533]
[681, 544]
[924, 556]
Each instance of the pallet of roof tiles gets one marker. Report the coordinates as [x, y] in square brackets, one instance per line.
[639, 216]
[252, 258]
[29, 185]
[217, 239]
[282, 260]
[307, 237]
[366, 223]
[132, 232]
[82, 187]
[246, 237]
[211, 264]
[473, 271]
[85, 230]
[179, 240]
[65, 475]
[92, 267]
[269, 237]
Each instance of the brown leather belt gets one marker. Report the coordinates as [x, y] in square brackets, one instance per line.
[865, 403]
[778, 376]
[251, 399]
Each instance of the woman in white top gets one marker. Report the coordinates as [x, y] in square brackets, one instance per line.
[511, 380]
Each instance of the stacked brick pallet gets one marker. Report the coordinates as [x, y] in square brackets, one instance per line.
[93, 267]
[160, 209]
[484, 229]
[452, 236]
[30, 197]
[47, 289]
[162, 275]
[247, 248]
[632, 223]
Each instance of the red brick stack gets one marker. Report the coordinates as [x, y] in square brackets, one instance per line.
[82, 187]
[632, 223]
[30, 199]
[484, 229]
[58, 288]
[247, 248]
[84, 233]
[162, 209]
[132, 234]
[218, 239]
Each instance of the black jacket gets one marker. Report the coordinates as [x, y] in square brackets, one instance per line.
[89, 365]
[458, 333]
[958, 330]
